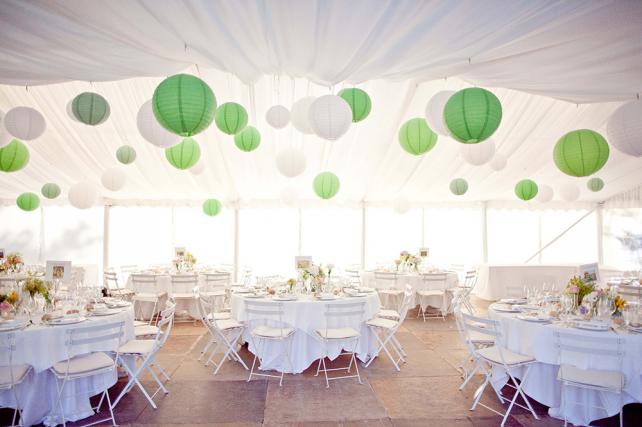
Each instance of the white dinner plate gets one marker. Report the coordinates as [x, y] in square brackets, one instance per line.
[358, 294]
[248, 295]
[241, 291]
[592, 326]
[534, 319]
[12, 325]
[285, 298]
[118, 304]
[504, 308]
[66, 320]
[107, 312]
[513, 301]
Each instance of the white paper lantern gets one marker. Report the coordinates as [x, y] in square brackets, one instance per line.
[83, 195]
[290, 162]
[113, 179]
[401, 205]
[151, 130]
[299, 115]
[624, 129]
[498, 162]
[544, 193]
[24, 123]
[198, 168]
[5, 136]
[278, 116]
[289, 195]
[477, 154]
[569, 192]
[435, 112]
[330, 117]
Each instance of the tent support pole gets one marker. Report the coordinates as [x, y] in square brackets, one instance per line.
[363, 235]
[484, 224]
[236, 244]
[600, 230]
[106, 210]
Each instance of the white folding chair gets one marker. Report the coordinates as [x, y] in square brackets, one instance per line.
[342, 325]
[573, 346]
[80, 365]
[389, 294]
[110, 281]
[630, 293]
[144, 352]
[497, 356]
[224, 332]
[217, 286]
[354, 277]
[184, 291]
[127, 270]
[11, 375]
[384, 330]
[266, 326]
[434, 290]
[146, 290]
[463, 290]
[473, 341]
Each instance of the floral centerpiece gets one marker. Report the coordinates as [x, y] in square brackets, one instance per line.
[35, 286]
[8, 304]
[317, 276]
[291, 283]
[578, 289]
[13, 263]
[619, 304]
[184, 262]
[408, 261]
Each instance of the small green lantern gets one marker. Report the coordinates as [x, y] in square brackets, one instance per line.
[28, 202]
[581, 152]
[90, 108]
[50, 190]
[359, 103]
[126, 154]
[231, 118]
[13, 156]
[458, 186]
[595, 184]
[212, 207]
[183, 155]
[526, 189]
[416, 137]
[248, 139]
[326, 185]
[472, 115]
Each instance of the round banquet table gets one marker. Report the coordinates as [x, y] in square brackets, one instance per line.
[538, 340]
[42, 346]
[307, 314]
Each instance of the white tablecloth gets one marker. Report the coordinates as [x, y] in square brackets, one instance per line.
[306, 315]
[538, 340]
[43, 346]
[164, 284]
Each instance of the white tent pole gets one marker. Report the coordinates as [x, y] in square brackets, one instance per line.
[600, 230]
[423, 228]
[106, 211]
[300, 230]
[484, 225]
[363, 236]
[539, 237]
[41, 238]
[236, 244]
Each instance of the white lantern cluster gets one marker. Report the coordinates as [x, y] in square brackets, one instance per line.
[24, 123]
[83, 195]
[435, 111]
[330, 117]
[151, 130]
[477, 154]
[113, 179]
[290, 162]
[569, 192]
[278, 116]
[498, 162]
[544, 194]
[624, 129]
[300, 115]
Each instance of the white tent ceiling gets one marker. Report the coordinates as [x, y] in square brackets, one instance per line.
[586, 54]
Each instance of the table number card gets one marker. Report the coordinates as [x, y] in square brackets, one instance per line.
[179, 251]
[423, 252]
[590, 272]
[302, 262]
[58, 270]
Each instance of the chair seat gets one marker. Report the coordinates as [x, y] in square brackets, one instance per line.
[391, 291]
[19, 372]
[219, 316]
[270, 332]
[433, 293]
[212, 293]
[140, 331]
[380, 322]
[388, 314]
[146, 297]
[591, 377]
[337, 333]
[85, 364]
[183, 295]
[140, 323]
[228, 324]
[479, 338]
[137, 347]
[492, 354]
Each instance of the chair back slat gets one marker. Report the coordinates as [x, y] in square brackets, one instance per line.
[342, 315]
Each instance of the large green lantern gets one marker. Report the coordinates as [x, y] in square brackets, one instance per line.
[126, 154]
[458, 186]
[581, 152]
[526, 189]
[13, 156]
[595, 184]
[28, 202]
[326, 185]
[416, 137]
[212, 207]
[359, 102]
[248, 139]
[472, 115]
[231, 118]
[184, 104]
[183, 155]
[50, 190]
[90, 108]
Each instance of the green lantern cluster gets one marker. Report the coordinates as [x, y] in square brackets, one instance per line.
[183, 155]
[28, 201]
[526, 189]
[212, 207]
[326, 185]
[595, 184]
[416, 137]
[231, 118]
[50, 190]
[359, 103]
[13, 156]
[472, 115]
[126, 154]
[458, 186]
[581, 153]
[248, 139]
[184, 104]
[90, 108]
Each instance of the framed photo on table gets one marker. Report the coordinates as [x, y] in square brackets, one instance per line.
[302, 262]
[179, 251]
[590, 272]
[423, 252]
[58, 270]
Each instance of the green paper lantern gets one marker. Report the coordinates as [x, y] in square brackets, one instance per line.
[581, 152]
[90, 108]
[183, 155]
[50, 190]
[416, 137]
[472, 115]
[595, 184]
[28, 202]
[326, 185]
[359, 103]
[126, 154]
[13, 156]
[212, 207]
[526, 189]
[231, 118]
[248, 139]
[458, 186]
[184, 104]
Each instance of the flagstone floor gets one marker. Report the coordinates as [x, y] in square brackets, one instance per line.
[424, 393]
